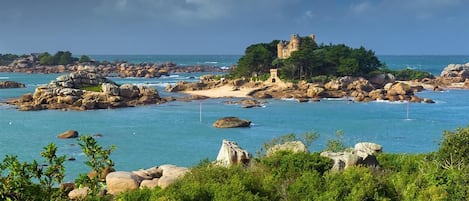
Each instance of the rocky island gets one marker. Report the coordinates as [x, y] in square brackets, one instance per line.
[11, 84]
[86, 89]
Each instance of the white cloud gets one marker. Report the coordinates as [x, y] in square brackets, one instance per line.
[361, 7]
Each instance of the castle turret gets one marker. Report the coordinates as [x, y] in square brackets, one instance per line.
[284, 49]
[313, 37]
[295, 42]
[280, 47]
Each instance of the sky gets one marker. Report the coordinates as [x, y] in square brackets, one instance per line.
[388, 27]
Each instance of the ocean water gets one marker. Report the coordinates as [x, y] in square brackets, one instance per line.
[181, 133]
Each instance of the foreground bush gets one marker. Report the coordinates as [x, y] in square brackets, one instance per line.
[281, 176]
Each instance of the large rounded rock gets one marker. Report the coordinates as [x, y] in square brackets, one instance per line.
[120, 181]
[399, 88]
[129, 91]
[79, 193]
[231, 122]
[110, 89]
[68, 134]
[171, 173]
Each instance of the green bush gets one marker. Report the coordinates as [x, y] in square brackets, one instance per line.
[454, 148]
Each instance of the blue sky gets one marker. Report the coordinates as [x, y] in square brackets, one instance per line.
[229, 26]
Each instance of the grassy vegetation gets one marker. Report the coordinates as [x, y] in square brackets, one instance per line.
[95, 88]
[441, 175]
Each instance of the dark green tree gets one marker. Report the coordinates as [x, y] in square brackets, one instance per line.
[46, 59]
[258, 59]
[84, 59]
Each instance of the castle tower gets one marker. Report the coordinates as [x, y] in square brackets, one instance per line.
[284, 49]
[313, 37]
[280, 47]
[295, 42]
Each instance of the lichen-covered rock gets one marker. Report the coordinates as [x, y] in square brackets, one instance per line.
[364, 153]
[231, 122]
[232, 154]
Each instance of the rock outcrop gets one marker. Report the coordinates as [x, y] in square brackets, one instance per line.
[364, 153]
[454, 76]
[68, 134]
[231, 122]
[120, 181]
[246, 103]
[232, 154]
[11, 84]
[380, 87]
[86, 90]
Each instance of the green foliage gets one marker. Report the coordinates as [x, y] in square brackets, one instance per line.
[354, 183]
[84, 59]
[54, 172]
[307, 138]
[336, 145]
[311, 60]
[60, 58]
[96, 88]
[257, 59]
[46, 59]
[18, 178]
[408, 74]
[98, 161]
[215, 183]
[454, 147]
[6, 59]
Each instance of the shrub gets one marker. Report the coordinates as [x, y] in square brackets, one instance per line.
[454, 147]
[98, 161]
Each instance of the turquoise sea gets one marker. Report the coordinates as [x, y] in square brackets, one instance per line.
[179, 133]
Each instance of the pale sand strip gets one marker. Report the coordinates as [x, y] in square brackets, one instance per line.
[222, 92]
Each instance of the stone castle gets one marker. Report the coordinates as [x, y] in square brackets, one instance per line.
[285, 49]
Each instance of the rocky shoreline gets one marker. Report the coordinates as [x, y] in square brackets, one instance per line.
[380, 87]
[357, 89]
[31, 65]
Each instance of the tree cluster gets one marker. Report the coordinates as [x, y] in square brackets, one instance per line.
[60, 58]
[309, 61]
[6, 59]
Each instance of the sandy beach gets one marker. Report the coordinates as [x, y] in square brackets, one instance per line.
[222, 92]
